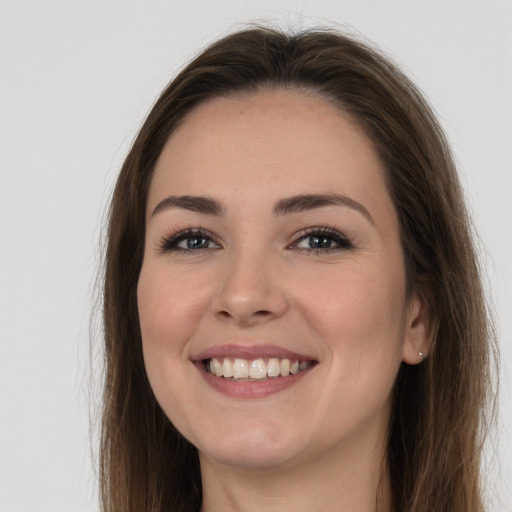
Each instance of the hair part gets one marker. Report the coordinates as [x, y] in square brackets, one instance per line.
[438, 421]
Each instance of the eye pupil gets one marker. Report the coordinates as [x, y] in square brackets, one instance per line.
[197, 242]
[320, 242]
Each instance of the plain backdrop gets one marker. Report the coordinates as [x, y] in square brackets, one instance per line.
[77, 79]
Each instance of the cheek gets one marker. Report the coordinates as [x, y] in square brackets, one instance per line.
[168, 305]
[360, 315]
[360, 319]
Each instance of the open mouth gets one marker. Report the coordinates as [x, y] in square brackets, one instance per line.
[237, 369]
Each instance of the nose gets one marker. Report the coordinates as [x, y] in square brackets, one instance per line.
[250, 292]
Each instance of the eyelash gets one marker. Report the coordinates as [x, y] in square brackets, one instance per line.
[342, 242]
[170, 243]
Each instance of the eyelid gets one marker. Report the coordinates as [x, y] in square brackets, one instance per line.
[169, 242]
[342, 240]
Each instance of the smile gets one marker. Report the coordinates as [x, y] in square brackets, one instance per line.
[254, 370]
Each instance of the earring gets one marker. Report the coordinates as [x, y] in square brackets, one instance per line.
[421, 356]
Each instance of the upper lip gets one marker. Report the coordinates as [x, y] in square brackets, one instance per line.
[250, 352]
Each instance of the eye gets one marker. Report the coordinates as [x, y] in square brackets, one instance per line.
[322, 240]
[188, 241]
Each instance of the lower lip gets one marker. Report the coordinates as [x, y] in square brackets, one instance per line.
[253, 388]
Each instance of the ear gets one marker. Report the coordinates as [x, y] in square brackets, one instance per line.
[418, 329]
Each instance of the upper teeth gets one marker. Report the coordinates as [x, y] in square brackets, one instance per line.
[256, 369]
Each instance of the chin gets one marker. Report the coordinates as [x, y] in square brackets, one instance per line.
[257, 448]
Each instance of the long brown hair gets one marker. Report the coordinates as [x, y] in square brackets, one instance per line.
[438, 420]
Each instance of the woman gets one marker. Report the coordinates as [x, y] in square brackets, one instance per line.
[293, 312]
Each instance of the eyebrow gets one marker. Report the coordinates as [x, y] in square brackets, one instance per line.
[306, 202]
[295, 204]
[200, 204]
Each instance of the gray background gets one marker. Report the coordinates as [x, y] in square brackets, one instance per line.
[76, 80]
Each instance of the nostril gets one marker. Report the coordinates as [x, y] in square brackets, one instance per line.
[253, 306]
[246, 318]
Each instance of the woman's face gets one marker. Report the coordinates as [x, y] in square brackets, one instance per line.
[273, 254]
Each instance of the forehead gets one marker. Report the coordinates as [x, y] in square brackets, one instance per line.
[247, 144]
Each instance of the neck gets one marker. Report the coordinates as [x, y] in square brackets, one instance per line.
[351, 478]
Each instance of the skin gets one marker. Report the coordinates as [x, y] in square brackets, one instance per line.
[321, 443]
